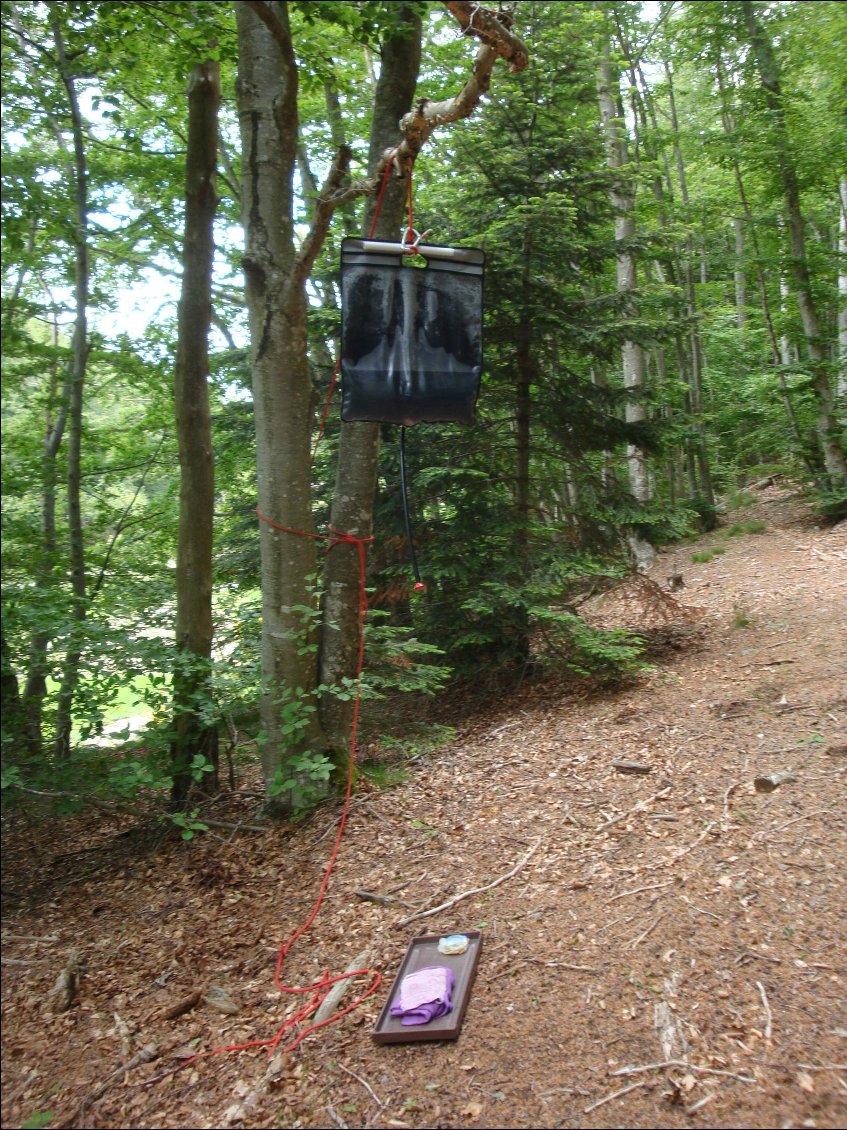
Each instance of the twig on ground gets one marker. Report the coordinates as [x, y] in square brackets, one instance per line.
[684, 851]
[522, 862]
[632, 1069]
[648, 931]
[788, 823]
[364, 1083]
[732, 785]
[700, 910]
[638, 890]
[767, 1008]
[564, 965]
[701, 1103]
[337, 1119]
[642, 804]
[146, 1055]
[616, 1095]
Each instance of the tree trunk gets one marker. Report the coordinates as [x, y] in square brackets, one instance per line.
[739, 275]
[842, 294]
[193, 733]
[776, 349]
[355, 484]
[827, 425]
[695, 373]
[622, 195]
[523, 424]
[282, 394]
[35, 685]
[13, 717]
[79, 361]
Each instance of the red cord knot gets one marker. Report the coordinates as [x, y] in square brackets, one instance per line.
[339, 538]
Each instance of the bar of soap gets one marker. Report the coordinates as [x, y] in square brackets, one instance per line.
[453, 943]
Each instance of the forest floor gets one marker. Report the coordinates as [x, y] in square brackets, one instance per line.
[667, 946]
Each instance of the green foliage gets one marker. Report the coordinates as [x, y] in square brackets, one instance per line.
[37, 1120]
[303, 780]
[830, 500]
[741, 617]
[739, 500]
[188, 823]
[611, 656]
[527, 180]
[740, 529]
[705, 555]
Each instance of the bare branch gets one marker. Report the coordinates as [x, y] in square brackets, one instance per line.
[328, 201]
[494, 29]
[522, 862]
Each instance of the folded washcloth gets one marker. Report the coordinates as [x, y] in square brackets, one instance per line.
[424, 995]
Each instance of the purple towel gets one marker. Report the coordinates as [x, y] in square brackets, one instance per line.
[424, 995]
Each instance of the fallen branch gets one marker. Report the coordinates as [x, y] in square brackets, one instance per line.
[767, 1008]
[374, 896]
[124, 809]
[181, 1006]
[638, 890]
[64, 991]
[648, 931]
[767, 784]
[617, 1095]
[331, 1001]
[146, 1055]
[364, 1083]
[642, 804]
[684, 851]
[796, 819]
[476, 890]
[631, 1069]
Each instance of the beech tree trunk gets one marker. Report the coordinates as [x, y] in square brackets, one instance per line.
[358, 454]
[75, 386]
[634, 367]
[193, 733]
[695, 373]
[827, 424]
[842, 296]
[282, 392]
[276, 273]
[776, 347]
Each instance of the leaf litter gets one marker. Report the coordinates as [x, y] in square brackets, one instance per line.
[664, 942]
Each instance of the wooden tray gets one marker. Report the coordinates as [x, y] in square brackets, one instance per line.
[423, 951]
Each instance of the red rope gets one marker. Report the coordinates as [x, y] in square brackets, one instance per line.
[382, 189]
[327, 403]
[319, 989]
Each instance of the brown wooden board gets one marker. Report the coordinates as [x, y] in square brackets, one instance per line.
[421, 952]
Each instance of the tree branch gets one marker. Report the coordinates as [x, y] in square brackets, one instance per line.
[522, 862]
[494, 31]
[263, 11]
[124, 809]
[328, 201]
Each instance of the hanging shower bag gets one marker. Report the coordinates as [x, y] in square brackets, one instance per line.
[411, 337]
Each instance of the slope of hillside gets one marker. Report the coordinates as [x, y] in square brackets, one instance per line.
[659, 878]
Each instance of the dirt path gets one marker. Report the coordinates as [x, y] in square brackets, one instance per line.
[671, 954]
